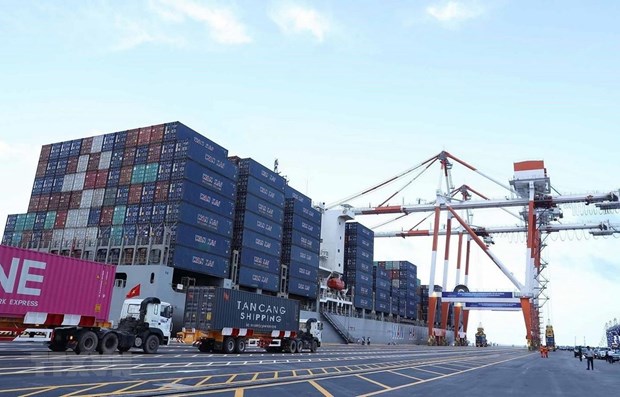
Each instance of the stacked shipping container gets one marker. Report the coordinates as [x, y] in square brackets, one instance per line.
[403, 277]
[300, 244]
[258, 225]
[358, 258]
[121, 188]
[382, 289]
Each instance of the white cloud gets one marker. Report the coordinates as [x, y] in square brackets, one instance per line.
[293, 19]
[222, 23]
[454, 11]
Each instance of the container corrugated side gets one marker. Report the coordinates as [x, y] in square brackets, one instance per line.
[308, 213]
[303, 271]
[261, 207]
[206, 178]
[190, 149]
[300, 287]
[292, 193]
[178, 131]
[358, 228]
[254, 278]
[202, 240]
[268, 193]
[204, 198]
[381, 284]
[261, 243]
[358, 278]
[382, 306]
[363, 290]
[54, 284]
[294, 253]
[261, 225]
[200, 262]
[200, 217]
[252, 167]
[357, 253]
[304, 226]
[358, 265]
[381, 295]
[211, 308]
[295, 237]
[362, 302]
[259, 260]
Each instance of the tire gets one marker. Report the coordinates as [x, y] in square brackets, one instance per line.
[313, 346]
[108, 344]
[300, 346]
[240, 345]
[151, 344]
[228, 347]
[86, 342]
[57, 347]
[292, 346]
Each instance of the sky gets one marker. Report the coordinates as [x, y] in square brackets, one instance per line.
[345, 95]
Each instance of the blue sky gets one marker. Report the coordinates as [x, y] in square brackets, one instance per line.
[344, 94]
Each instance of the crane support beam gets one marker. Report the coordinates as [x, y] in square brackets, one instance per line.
[543, 202]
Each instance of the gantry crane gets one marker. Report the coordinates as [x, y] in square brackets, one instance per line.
[531, 191]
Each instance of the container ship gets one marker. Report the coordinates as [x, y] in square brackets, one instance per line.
[173, 210]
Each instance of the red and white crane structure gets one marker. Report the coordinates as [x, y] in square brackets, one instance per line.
[540, 210]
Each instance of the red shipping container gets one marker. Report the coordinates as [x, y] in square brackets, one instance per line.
[61, 218]
[52, 281]
[93, 162]
[76, 199]
[65, 199]
[26, 238]
[90, 179]
[33, 204]
[87, 145]
[54, 202]
[102, 179]
[44, 201]
[157, 133]
[72, 163]
[132, 138]
[46, 237]
[125, 177]
[45, 153]
[135, 193]
[161, 191]
[129, 156]
[144, 136]
[41, 167]
[106, 216]
[154, 153]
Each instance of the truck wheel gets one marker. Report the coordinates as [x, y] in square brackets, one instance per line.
[108, 344]
[300, 346]
[57, 347]
[228, 347]
[313, 346]
[86, 342]
[240, 345]
[151, 344]
[292, 346]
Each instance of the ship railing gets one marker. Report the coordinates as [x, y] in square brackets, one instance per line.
[342, 331]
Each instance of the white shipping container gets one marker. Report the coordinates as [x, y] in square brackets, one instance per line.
[97, 144]
[87, 198]
[57, 237]
[67, 238]
[82, 220]
[104, 160]
[80, 234]
[78, 183]
[82, 163]
[72, 218]
[67, 183]
[98, 198]
[91, 233]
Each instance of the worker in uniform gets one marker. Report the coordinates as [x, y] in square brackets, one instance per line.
[590, 357]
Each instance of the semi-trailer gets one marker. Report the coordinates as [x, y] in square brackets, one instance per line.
[228, 320]
[68, 299]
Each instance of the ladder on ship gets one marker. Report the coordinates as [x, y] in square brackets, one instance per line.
[342, 331]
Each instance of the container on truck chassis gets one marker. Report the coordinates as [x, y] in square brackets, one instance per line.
[227, 320]
[66, 302]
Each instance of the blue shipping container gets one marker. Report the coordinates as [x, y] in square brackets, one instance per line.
[200, 217]
[358, 265]
[381, 284]
[298, 254]
[305, 226]
[362, 302]
[304, 211]
[259, 260]
[202, 240]
[261, 190]
[249, 277]
[200, 262]
[261, 225]
[302, 240]
[302, 287]
[303, 271]
[363, 290]
[206, 199]
[357, 253]
[179, 131]
[382, 295]
[358, 278]
[291, 193]
[252, 203]
[209, 179]
[196, 152]
[260, 172]
[380, 273]
[382, 306]
[358, 228]
[261, 243]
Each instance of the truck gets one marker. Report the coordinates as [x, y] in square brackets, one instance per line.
[481, 338]
[218, 319]
[66, 303]
[550, 338]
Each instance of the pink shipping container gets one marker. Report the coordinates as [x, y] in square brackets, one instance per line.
[76, 200]
[87, 144]
[90, 179]
[33, 204]
[154, 153]
[41, 168]
[135, 194]
[54, 201]
[161, 191]
[65, 199]
[45, 153]
[44, 202]
[132, 138]
[72, 164]
[93, 162]
[157, 133]
[129, 156]
[61, 218]
[144, 136]
[102, 179]
[51, 286]
[125, 177]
